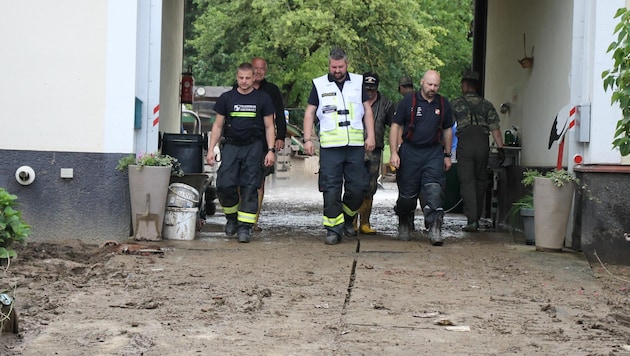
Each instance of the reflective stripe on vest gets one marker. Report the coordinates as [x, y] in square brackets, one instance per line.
[340, 113]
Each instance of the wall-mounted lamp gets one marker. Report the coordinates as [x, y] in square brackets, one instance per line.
[505, 108]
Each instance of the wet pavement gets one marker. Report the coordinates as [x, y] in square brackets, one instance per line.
[296, 206]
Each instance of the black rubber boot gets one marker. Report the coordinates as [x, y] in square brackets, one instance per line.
[231, 225]
[435, 232]
[348, 226]
[403, 227]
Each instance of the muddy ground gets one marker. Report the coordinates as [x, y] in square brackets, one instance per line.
[286, 293]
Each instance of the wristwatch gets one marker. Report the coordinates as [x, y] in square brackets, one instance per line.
[447, 154]
[272, 149]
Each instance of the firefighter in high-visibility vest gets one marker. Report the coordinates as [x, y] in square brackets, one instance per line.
[343, 113]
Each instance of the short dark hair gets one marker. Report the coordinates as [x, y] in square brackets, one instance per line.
[471, 83]
[246, 66]
[337, 54]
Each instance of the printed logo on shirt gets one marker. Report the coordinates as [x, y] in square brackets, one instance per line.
[419, 111]
[329, 94]
[247, 108]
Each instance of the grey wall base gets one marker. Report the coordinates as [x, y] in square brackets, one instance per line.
[93, 206]
[600, 225]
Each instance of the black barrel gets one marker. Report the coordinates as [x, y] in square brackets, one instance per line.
[187, 148]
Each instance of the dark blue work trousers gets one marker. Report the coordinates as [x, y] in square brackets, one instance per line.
[421, 172]
[342, 168]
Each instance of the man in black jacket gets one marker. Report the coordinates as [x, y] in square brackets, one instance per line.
[260, 83]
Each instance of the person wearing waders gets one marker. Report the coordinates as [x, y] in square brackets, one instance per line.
[383, 111]
[424, 120]
[476, 118]
[344, 113]
[245, 119]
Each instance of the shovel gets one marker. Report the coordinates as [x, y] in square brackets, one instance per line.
[147, 225]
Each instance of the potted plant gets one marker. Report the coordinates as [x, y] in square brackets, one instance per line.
[12, 228]
[521, 216]
[149, 176]
[552, 200]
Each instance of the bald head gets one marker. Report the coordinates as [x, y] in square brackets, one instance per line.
[260, 70]
[430, 84]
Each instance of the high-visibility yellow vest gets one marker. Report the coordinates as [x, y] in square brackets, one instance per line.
[340, 113]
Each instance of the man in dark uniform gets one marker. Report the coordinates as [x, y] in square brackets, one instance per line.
[260, 83]
[476, 117]
[245, 119]
[424, 120]
[343, 112]
[405, 85]
[383, 111]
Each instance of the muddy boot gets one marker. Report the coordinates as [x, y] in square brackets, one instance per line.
[364, 212]
[244, 233]
[403, 227]
[471, 227]
[332, 238]
[231, 225]
[348, 225]
[435, 233]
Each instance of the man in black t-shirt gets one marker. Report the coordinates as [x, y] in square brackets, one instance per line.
[245, 119]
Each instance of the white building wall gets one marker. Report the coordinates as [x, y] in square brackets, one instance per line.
[537, 94]
[118, 127]
[599, 24]
[53, 76]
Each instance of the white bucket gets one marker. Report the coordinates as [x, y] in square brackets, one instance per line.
[180, 223]
[182, 195]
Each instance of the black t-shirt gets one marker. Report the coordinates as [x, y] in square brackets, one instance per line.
[430, 118]
[244, 114]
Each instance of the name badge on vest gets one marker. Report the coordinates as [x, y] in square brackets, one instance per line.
[327, 109]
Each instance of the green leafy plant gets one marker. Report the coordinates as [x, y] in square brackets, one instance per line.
[618, 79]
[514, 214]
[151, 160]
[559, 177]
[12, 228]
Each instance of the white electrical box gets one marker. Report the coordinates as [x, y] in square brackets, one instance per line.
[67, 173]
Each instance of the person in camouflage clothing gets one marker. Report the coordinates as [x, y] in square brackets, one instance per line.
[383, 110]
[476, 117]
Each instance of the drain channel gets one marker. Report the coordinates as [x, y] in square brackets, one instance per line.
[353, 276]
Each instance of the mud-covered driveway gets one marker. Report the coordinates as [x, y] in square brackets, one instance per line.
[287, 293]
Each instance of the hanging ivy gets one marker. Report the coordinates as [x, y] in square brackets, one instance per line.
[618, 80]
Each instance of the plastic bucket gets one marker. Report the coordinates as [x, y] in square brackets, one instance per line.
[180, 223]
[182, 195]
